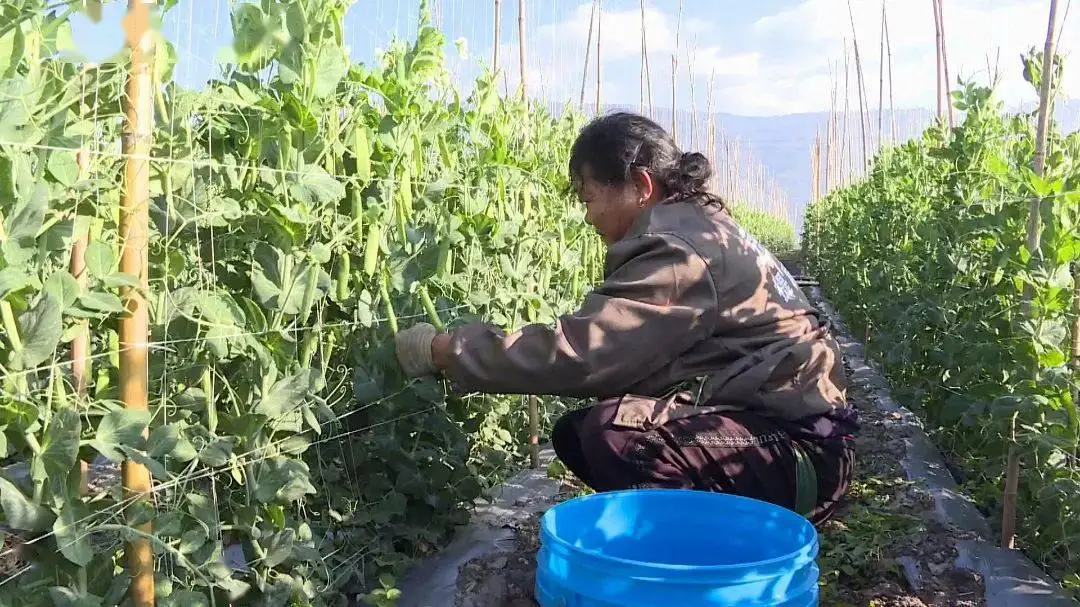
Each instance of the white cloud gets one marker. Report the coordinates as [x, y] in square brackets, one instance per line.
[794, 77]
[781, 64]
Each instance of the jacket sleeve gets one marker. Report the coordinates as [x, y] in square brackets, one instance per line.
[658, 300]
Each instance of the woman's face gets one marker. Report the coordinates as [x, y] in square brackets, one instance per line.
[612, 208]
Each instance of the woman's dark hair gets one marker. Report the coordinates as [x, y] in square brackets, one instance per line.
[614, 144]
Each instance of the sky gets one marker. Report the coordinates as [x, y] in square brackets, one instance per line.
[764, 58]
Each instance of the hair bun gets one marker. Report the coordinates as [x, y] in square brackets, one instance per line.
[694, 171]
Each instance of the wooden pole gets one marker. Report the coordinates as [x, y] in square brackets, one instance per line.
[645, 62]
[521, 46]
[675, 78]
[599, 75]
[134, 233]
[861, 92]
[498, 36]
[80, 345]
[1012, 468]
[947, 85]
[693, 100]
[534, 432]
[888, 49]
[937, 59]
[588, 48]
[881, 80]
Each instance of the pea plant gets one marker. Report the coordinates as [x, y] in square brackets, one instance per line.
[304, 209]
[926, 255]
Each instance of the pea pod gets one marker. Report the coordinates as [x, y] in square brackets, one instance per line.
[444, 151]
[330, 158]
[405, 194]
[344, 274]
[211, 407]
[429, 307]
[357, 209]
[445, 263]
[371, 249]
[384, 294]
[526, 203]
[309, 290]
[418, 155]
[307, 348]
[362, 154]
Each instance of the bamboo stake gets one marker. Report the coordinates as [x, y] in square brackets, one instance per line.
[675, 77]
[521, 47]
[710, 128]
[599, 75]
[937, 60]
[134, 230]
[693, 101]
[888, 48]
[588, 48]
[847, 103]
[861, 91]
[645, 59]
[80, 345]
[498, 36]
[1012, 472]
[534, 432]
[945, 63]
[881, 79]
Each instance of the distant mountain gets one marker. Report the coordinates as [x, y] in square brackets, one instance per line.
[780, 146]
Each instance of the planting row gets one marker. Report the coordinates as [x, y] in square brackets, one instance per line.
[928, 257]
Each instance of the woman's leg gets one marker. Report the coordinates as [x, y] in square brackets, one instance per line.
[566, 440]
[738, 453]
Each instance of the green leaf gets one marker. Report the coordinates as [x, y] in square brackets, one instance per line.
[71, 535]
[22, 227]
[63, 286]
[120, 428]
[315, 186]
[282, 480]
[101, 302]
[170, 441]
[12, 280]
[66, 597]
[40, 328]
[193, 539]
[186, 598]
[60, 444]
[216, 453]
[330, 68]
[288, 393]
[63, 167]
[278, 547]
[121, 279]
[20, 512]
[11, 51]
[100, 259]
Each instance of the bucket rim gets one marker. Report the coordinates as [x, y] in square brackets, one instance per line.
[810, 550]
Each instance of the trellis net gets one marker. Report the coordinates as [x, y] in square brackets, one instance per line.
[304, 207]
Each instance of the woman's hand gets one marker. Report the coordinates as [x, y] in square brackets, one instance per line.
[422, 350]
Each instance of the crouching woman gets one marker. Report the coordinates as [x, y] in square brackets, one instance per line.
[709, 368]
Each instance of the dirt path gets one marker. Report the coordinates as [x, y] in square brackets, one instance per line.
[885, 547]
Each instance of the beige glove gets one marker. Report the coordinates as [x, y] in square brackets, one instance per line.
[413, 348]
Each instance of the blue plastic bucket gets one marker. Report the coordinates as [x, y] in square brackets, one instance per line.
[675, 548]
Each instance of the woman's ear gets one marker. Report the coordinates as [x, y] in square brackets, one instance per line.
[644, 185]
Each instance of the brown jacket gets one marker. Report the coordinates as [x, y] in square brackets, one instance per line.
[692, 311]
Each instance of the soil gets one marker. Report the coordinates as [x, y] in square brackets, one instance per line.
[884, 548]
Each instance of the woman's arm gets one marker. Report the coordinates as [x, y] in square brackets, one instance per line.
[658, 301]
